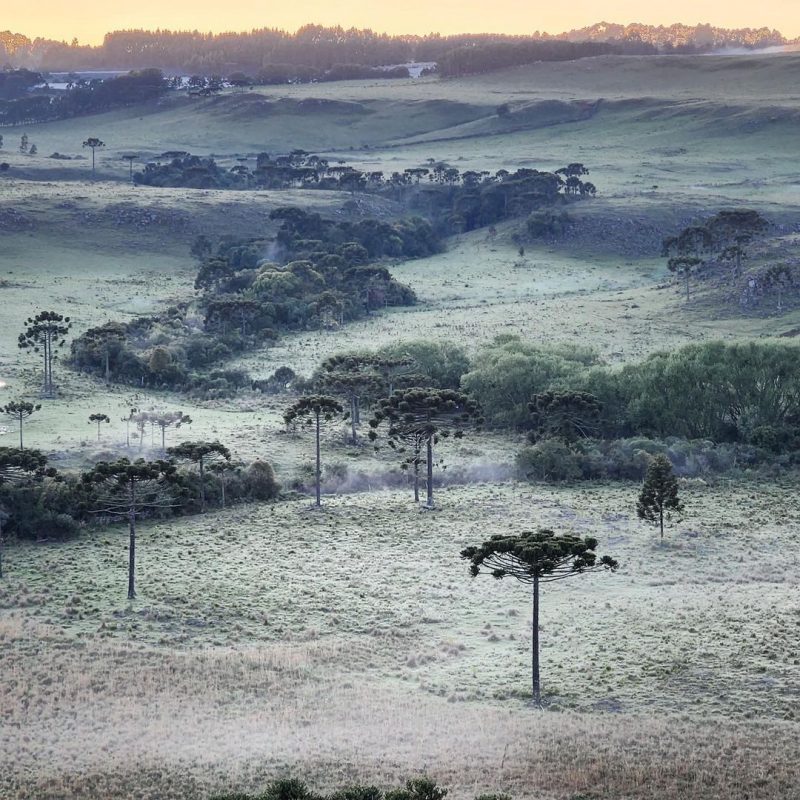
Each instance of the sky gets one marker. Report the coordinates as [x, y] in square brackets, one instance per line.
[57, 19]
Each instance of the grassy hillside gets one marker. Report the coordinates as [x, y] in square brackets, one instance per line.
[291, 640]
[350, 644]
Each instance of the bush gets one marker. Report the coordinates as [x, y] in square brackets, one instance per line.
[628, 459]
[508, 372]
[260, 481]
[441, 363]
[292, 789]
[549, 460]
[547, 223]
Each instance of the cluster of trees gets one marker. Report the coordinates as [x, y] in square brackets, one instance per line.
[722, 239]
[325, 277]
[411, 389]
[17, 83]
[737, 393]
[83, 97]
[456, 201]
[38, 501]
[416, 419]
[163, 350]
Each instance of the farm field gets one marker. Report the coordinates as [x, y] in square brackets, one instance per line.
[349, 644]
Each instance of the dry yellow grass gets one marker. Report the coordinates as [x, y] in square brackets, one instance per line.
[350, 644]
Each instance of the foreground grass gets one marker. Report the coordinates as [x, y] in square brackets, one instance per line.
[351, 645]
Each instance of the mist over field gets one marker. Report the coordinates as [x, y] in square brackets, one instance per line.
[386, 417]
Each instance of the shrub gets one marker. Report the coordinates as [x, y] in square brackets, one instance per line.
[260, 481]
[547, 223]
[549, 460]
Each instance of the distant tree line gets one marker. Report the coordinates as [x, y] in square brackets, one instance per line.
[489, 56]
[19, 106]
[320, 48]
[455, 201]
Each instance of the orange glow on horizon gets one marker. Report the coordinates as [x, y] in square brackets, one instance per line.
[55, 19]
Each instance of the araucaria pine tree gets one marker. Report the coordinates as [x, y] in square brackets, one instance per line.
[419, 418]
[19, 411]
[44, 334]
[203, 454]
[19, 467]
[314, 411]
[129, 490]
[659, 499]
[534, 558]
[99, 419]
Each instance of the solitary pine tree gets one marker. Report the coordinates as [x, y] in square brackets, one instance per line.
[314, 410]
[779, 277]
[99, 419]
[353, 377]
[733, 231]
[19, 411]
[44, 334]
[534, 558]
[222, 469]
[203, 454]
[687, 252]
[659, 495]
[93, 143]
[130, 489]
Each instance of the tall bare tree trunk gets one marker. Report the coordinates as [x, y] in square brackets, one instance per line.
[132, 542]
[202, 489]
[536, 683]
[318, 471]
[417, 448]
[1, 546]
[45, 354]
[429, 449]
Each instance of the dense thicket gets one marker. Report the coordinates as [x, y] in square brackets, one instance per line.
[50, 504]
[323, 276]
[745, 392]
[454, 201]
[293, 789]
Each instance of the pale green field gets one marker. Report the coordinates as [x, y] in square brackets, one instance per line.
[350, 644]
[272, 638]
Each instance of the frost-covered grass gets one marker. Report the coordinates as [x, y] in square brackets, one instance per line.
[275, 637]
